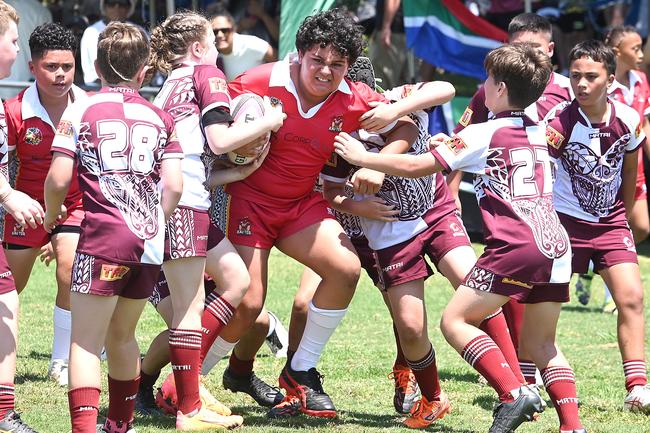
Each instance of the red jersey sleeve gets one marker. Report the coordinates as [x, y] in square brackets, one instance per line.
[211, 88]
[476, 111]
[12, 122]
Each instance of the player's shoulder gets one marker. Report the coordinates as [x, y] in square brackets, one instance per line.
[13, 106]
[625, 113]
[641, 77]
[560, 80]
[201, 71]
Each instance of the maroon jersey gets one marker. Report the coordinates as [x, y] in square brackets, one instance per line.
[556, 97]
[119, 139]
[306, 139]
[4, 148]
[590, 159]
[510, 160]
[30, 133]
[188, 93]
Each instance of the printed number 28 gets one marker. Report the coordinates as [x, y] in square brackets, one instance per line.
[123, 148]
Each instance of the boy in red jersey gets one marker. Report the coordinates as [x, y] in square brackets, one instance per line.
[26, 212]
[527, 255]
[595, 142]
[32, 117]
[276, 205]
[129, 170]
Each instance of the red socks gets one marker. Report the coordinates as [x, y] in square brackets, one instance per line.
[121, 399]
[215, 317]
[240, 367]
[635, 373]
[84, 407]
[185, 352]
[426, 373]
[7, 400]
[496, 328]
[560, 383]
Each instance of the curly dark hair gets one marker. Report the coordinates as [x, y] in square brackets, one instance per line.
[335, 27]
[51, 36]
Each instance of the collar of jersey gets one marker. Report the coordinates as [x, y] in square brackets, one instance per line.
[628, 93]
[31, 105]
[281, 77]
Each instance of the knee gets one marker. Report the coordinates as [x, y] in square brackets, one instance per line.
[411, 333]
[347, 272]
[247, 313]
[301, 305]
[238, 286]
[632, 302]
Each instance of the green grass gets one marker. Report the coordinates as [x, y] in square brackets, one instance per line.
[355, 364]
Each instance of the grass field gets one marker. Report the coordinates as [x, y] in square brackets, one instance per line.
[355, 364]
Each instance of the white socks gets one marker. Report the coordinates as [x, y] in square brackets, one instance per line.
[62, 327]
[219, 350]
[318, 330]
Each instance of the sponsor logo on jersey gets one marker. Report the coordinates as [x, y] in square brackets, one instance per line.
[514, 282]
[599, 134]
[64, 128]
[553, 137]
[5, 274]
[333, 160]
[337, 124]
[466, 117]
[217, 85]
[33, 136]
[456, 145]
[112, 272]
[18, 231]
[202, 238]
[393, 266]
[244, 227]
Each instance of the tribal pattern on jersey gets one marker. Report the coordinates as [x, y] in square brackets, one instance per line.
[595, 179]
[181, 99]
[479, 279]
[82, 273]
[538, 212]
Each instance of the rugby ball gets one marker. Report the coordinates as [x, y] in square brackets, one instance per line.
[246, 108]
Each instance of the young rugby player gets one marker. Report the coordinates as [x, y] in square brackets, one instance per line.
[276, 206]
[595, 142]
[128, 164]
[527, 256]
[32, 117]
[195, 94]
[536, 30]
[26, 212]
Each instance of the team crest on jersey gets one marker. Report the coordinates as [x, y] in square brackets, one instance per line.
[333, 160]
[456, 145]
[64, 128]
[337, 124]
[217, 84]
[112, 272]
[33, 136]
[275, 101]
[244, 227]
[554, 138]
[466, 117]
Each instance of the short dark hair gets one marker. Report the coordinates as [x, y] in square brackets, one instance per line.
[596, 51]
[529, 22]
[616, 35]
[51, 36]
[523, 68]
[334, 27]
[219, 10]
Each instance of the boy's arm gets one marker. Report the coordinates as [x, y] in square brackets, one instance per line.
[227, 173]
[397, 165]
[171, 180]
[371, 207]
[428, 95]
[630, 164]
[56, 187]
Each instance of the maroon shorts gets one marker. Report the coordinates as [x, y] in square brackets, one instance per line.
[259, 226]
[215, 236]
[161, 288]
[36, 238]
[186, 234]
[367, 258]
[604, 244]
[98, 276]
[405, 261]
[6, 278]
[524, 292]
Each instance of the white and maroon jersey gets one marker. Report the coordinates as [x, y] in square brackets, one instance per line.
[118, 139]
[557, 95]
[188, 93]
[636, 96]
[589, 159]
[306, 139]
[514, 187]
[4, 147]
[413, 197]
[30, 133]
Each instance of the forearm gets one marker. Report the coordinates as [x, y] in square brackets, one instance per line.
[628, 186]
[401, 137]
[171, 178]
[55, 191]
[429, 95]
[402, 165]
[223, 138]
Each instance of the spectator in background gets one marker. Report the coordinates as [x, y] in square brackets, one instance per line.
[238, 52]
[32, 14]
[112, 10]
[387, 47]
[259, 18]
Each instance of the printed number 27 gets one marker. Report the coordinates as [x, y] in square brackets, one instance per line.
[523, 177]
